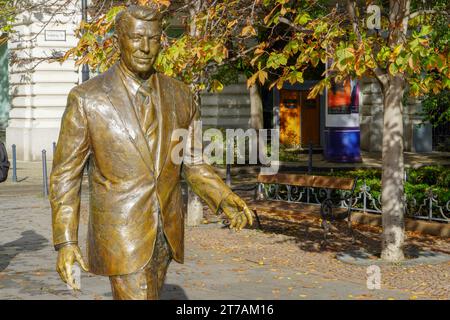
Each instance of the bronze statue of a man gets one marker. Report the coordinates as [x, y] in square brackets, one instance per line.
[122, 122]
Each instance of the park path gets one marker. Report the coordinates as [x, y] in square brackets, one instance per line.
[215, 267]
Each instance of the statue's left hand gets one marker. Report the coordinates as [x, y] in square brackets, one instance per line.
[236, 211]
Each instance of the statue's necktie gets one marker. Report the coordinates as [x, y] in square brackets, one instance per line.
[146, 114]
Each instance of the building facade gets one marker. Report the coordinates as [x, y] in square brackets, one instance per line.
[38, 88]
[4, 86]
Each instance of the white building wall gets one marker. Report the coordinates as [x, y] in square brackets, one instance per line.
[39, 89]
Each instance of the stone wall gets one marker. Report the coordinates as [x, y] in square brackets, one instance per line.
[227, 109]
[417, 138]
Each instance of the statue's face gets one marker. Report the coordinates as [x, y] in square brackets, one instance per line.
[139, 46]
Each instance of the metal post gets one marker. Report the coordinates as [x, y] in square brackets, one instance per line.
[44, 174]
[85, 68]
[310, 154]
[54, 148]
[309, 169]
[364, 196]
[228, 160]
[14, 163]
[228, 180]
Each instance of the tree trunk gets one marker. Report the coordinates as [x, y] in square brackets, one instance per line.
[393, 172]
[256, 108]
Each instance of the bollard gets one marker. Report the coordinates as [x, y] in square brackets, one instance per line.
[310, 161]
[54, 149]
[14, 163]
[44, 174]
[229, 160]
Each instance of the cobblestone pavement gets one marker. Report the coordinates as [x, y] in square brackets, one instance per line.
[279, 263]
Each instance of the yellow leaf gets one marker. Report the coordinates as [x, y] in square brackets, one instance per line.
[165, 3]
[252, 80]
[262, 76]
[248, 31]
[216, 86]
[231, 23]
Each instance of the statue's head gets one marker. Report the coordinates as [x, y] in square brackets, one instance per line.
[138, 35]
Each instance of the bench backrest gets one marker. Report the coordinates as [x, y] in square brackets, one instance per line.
[308, 181]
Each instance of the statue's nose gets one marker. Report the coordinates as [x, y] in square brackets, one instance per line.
[145, 45]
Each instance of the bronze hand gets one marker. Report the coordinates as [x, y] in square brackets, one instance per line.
[237, 212]
[67, 256]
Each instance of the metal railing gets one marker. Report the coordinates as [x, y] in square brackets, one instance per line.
[429, 208]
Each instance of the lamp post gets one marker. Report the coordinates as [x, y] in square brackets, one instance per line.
[85, 68]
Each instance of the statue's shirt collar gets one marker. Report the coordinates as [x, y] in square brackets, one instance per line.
[132, 83]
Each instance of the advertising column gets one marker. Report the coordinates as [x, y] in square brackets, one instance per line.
[342, 133]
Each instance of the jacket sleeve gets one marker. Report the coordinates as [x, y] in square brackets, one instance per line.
[72, 152]
[199, 175]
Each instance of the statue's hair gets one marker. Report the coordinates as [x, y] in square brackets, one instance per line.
[146, 13]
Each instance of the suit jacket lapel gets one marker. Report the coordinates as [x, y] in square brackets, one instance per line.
[119, 99]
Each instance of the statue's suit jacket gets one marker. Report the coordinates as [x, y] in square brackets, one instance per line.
[128, 183]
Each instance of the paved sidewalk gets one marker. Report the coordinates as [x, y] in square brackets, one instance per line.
[369, 160]
[220, 264]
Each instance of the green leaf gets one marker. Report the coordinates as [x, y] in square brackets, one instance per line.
[276, 60]
[345, 58]
[302, 18]
[112, 13]
[384, 54]
[291, 47]
[393, 69]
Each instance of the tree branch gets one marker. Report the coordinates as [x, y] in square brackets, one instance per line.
[354, 20]
[292, 25]
[423, 12]
[381, 76]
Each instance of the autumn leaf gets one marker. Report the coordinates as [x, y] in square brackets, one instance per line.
[262, 76]
[216, 86]
[248, 31]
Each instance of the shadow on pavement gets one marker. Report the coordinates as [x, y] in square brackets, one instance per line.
[308, 235]
[29, 241]
[173, 292]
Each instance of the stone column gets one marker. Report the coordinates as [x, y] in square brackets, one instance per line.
[39, 88]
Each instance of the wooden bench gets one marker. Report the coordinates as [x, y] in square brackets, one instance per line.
[285, 193]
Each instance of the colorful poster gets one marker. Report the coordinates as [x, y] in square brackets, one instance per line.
[343, 98]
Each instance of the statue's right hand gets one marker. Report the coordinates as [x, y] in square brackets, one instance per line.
[67, 256]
